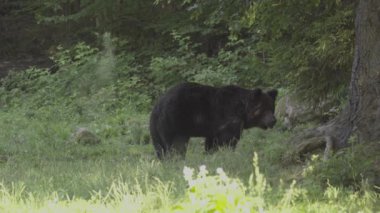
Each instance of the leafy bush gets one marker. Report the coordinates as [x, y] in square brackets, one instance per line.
[215, 194]
[234, 64]
[307, 46]
[219, 193]
[350, 167]
[76, 55]
[91, 86]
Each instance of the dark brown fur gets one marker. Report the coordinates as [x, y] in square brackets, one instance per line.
[218, 114]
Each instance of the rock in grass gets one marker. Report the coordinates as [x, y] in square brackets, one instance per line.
[85, 137]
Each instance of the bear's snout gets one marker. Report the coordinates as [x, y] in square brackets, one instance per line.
[269, 120]
[272, 122]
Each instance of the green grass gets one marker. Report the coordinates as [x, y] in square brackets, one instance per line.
[43, 171]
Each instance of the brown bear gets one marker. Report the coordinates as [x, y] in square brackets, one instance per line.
[219, 114]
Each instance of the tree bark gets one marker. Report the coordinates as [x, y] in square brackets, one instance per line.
[365, 89]
[362, 114]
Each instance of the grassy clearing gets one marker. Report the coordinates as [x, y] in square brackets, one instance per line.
[42, 171]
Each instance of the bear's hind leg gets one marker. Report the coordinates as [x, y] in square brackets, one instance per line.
[159, 145]
[161, 150]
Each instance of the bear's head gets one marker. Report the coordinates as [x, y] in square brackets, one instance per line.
[260, 109]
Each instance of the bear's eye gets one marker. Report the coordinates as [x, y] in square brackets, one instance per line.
[257, 112]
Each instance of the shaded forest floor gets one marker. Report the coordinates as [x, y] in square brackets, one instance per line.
[23, 63]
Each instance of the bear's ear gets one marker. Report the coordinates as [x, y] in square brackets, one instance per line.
[273, 93]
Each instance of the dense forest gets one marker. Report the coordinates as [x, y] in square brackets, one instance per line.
[79, 78]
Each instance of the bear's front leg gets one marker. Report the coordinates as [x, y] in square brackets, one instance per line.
[226, 135]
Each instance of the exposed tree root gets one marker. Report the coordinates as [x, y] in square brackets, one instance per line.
[330, 137]
[362, 113]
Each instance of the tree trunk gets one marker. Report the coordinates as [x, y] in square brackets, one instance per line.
[367, 82]
[362, 114]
